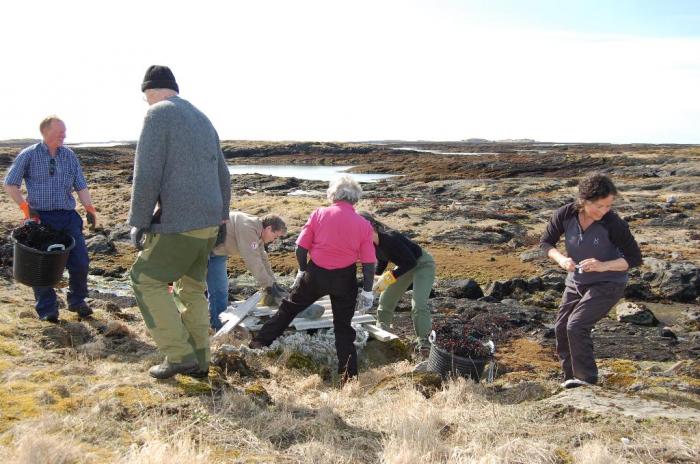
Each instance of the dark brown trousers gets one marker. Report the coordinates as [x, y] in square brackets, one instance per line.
[341, 285]
[582, 306]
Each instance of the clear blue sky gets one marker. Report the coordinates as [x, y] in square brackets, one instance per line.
[648, 18]
[581, 71]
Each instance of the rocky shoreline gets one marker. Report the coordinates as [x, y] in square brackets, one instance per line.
[481, 217]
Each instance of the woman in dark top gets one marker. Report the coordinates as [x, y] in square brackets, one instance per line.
[599, 250]
[413, 265]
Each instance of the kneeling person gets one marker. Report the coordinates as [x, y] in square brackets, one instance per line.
[246, 236]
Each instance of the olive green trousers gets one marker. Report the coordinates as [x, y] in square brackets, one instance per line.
[177, 321]
[422, 277]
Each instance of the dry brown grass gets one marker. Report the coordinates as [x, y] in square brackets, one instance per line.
[72, 408]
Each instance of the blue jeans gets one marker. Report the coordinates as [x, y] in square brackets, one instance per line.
[70, 222]
[217, 288]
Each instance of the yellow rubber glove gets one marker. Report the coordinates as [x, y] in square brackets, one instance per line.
[384, 281]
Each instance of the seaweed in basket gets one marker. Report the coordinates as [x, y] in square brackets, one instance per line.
[40, 236]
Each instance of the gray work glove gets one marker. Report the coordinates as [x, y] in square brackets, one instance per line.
[220, 235]
[297, 280]
[272, 296]
[136, 236]
[364, 302]
[280, 289]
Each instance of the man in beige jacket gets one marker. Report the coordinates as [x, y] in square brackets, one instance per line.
[246, 237]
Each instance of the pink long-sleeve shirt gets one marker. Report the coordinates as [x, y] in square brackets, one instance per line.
[336, 237]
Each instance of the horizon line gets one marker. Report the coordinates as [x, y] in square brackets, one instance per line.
[468, 141]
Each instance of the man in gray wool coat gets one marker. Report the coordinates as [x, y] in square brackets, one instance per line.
[180, 196]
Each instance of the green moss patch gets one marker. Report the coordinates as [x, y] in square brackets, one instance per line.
[17, 403]
[301, 362]
[4, 365]
[191, 386]
[258, 394]
[9, 349]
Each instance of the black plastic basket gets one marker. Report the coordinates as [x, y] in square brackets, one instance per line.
[449, 364]
[38, 268]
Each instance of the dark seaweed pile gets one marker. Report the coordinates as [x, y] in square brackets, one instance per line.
[464, 336]
[40, 236]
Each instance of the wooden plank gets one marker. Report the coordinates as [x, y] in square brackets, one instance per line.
[379, 333]
[236, 313]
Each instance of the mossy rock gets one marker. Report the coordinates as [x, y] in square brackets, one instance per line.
[427, 383]
[55, 337]
[621, 366]
[302, 362]
[79, 332]
[625, 373]
[273, 353]
[619, 380]
[519, 392]
[231, 363]
[377, 353]
[65, 335]
[400, 348]
[258, 394]
[191, 386]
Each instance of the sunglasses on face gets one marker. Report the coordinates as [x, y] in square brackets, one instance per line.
[52, 166]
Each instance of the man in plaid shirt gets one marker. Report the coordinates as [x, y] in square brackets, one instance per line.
[51, 173]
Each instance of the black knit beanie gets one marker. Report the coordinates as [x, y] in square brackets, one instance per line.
[159, 77]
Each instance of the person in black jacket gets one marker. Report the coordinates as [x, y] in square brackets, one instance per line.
[413, 265]
[599, 250]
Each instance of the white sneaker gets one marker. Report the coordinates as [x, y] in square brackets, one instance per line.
[575, 383]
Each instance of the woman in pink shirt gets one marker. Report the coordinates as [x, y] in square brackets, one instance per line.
[336, 238]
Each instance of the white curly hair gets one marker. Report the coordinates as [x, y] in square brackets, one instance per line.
[345, 188]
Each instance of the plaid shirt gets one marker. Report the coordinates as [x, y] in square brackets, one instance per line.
[50, 181]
